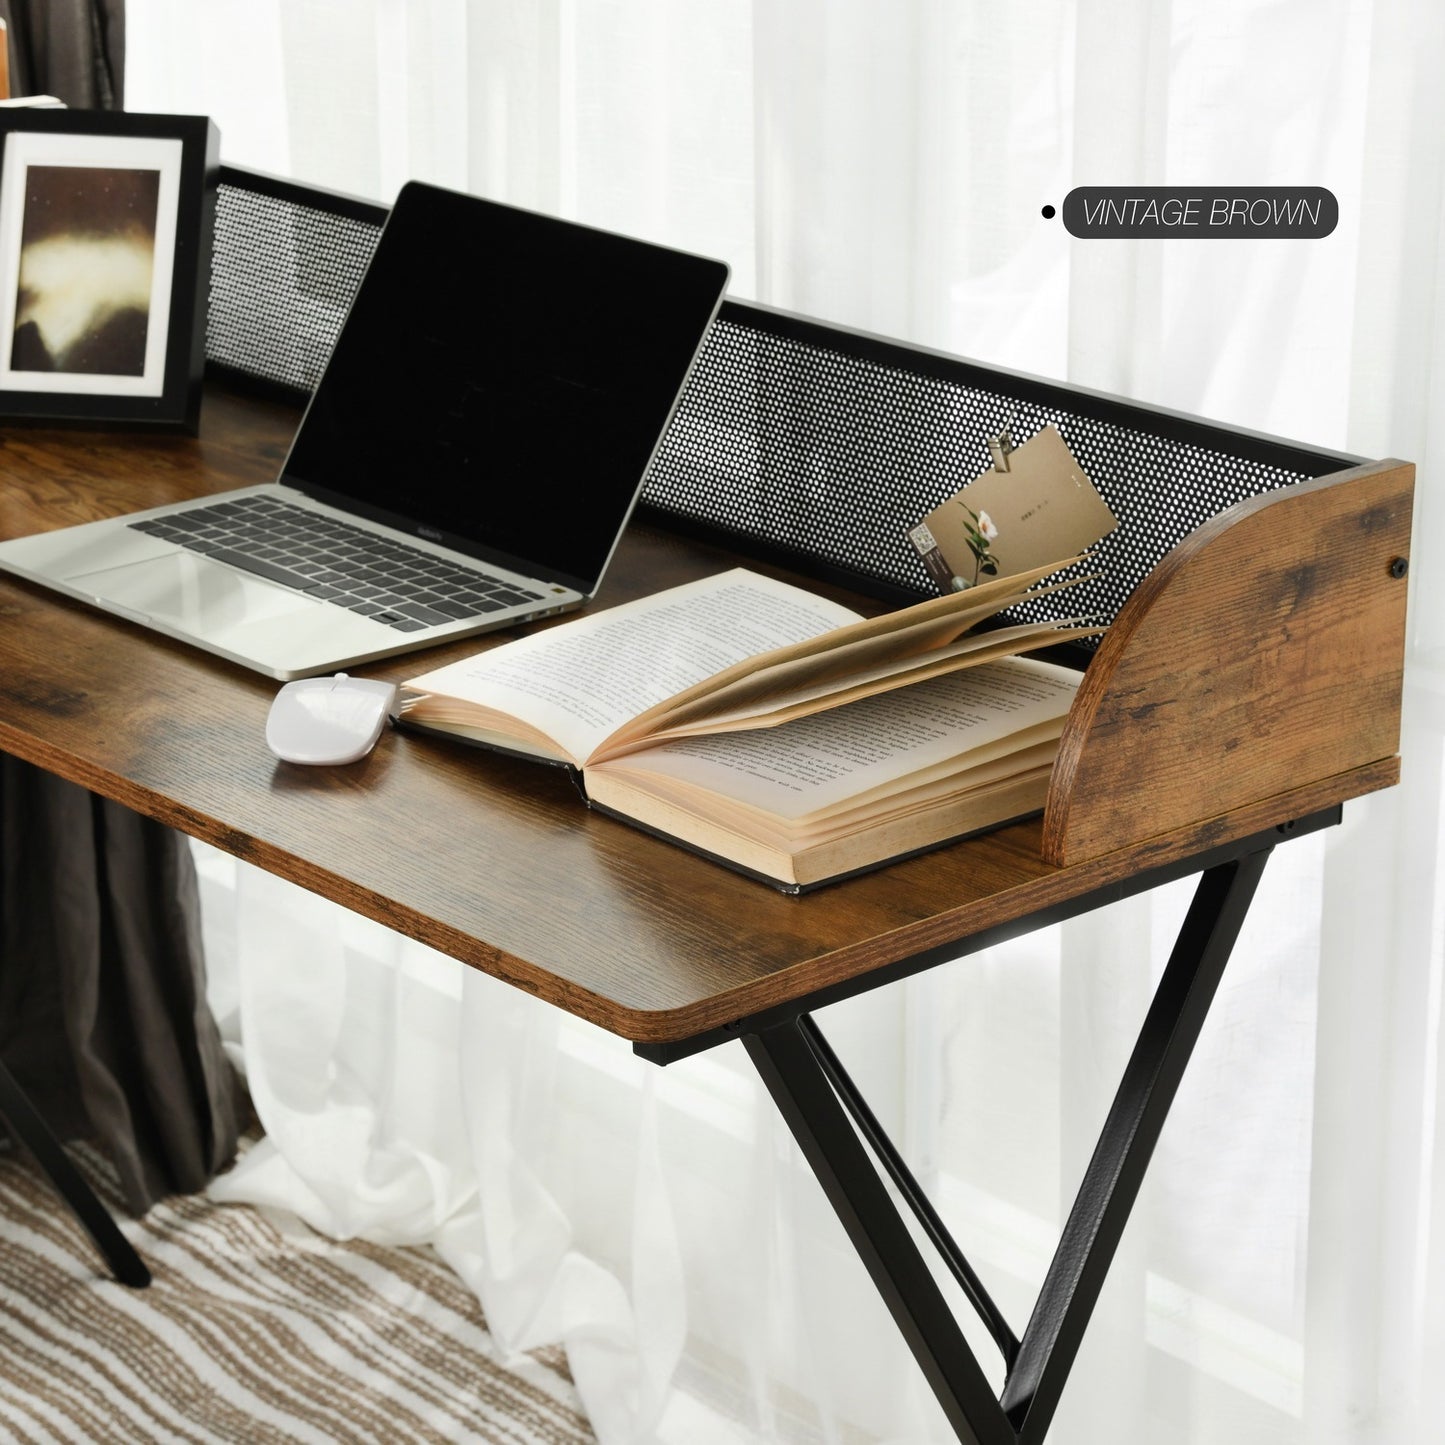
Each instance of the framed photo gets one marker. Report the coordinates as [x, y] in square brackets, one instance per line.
[105, 257]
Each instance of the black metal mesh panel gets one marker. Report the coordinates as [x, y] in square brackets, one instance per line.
[835, 456]
[282, 277]
[814, 442]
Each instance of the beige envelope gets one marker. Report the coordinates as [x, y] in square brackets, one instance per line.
[1042, 508]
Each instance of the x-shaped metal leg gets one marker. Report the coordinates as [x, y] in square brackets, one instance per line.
[32, 1131]
[836, 1131]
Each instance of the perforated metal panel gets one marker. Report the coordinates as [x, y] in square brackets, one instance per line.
[283, 272]
[835, 456]
[810, 442]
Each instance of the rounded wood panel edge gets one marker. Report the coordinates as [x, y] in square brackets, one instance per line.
[1063, 804]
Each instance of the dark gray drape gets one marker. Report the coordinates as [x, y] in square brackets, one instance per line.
[103, 1018]
[71, 49]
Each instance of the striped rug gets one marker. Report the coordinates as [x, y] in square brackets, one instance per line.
[254, 1330]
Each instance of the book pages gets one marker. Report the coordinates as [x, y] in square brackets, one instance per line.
[579, 683]
[819, 761]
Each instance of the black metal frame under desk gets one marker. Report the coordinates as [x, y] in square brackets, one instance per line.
[855, 1161]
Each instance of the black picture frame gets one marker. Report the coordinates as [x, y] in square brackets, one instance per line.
[106, 223]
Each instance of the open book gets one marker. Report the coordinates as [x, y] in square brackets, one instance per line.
[776, 730]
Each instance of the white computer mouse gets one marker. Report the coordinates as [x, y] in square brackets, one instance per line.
[328, 719]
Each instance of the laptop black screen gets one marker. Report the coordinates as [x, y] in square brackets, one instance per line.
[502, 380]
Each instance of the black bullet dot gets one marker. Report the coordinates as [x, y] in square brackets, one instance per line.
[1048, 213]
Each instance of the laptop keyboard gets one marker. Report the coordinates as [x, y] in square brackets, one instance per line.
[402, 586]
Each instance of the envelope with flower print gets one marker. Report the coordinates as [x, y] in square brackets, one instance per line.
[1005, 522]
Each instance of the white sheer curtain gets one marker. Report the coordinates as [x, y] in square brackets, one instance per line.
[884, 166]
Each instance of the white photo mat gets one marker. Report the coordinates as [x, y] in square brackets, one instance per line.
[24, 149]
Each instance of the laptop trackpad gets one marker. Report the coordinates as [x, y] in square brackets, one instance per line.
[187, 591]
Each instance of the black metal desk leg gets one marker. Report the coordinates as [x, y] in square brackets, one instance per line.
[33, 1132]
[1111, 1182]
[800, 1088]
[816, 1097]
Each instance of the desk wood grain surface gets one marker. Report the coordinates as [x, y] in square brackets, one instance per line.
[492, 860]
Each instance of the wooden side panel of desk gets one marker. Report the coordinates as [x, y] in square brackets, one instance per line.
[1265, 652]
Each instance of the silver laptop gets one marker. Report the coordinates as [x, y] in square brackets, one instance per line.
[468, 460]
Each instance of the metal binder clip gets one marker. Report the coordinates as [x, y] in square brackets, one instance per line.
[999, 447]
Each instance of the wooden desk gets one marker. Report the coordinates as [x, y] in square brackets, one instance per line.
[451, 845]
[497, 862]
